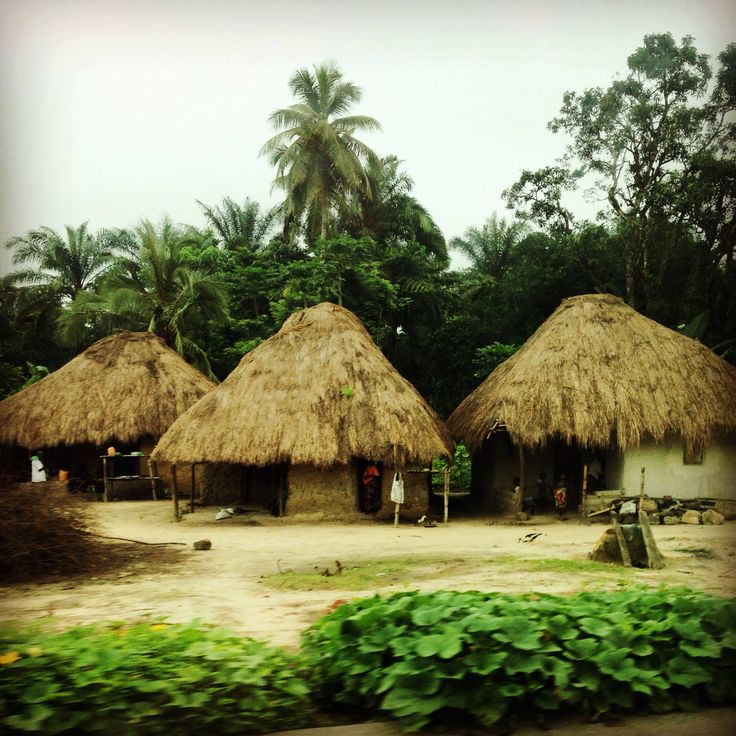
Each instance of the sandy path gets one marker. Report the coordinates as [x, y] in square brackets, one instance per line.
[223, 585]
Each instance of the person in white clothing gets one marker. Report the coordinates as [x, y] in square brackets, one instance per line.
[38, 472]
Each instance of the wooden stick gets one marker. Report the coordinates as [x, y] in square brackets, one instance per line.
[396, 514]
[175, 492]
[152, 473]
[522, 481]
[447, 492]
[625, 556]
[602, 511]
[104, 479]
[641, 485]
[584, 492]
[654, 558]
[191, 491]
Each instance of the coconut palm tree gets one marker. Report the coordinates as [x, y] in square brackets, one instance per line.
[320, 165]
[69, 265]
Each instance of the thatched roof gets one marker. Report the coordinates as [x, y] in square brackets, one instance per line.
[122, 388]
[318, 392]
[602, 374]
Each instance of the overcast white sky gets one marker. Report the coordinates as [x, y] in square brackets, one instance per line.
[116, 110]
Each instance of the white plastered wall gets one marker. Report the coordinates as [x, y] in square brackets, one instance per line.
[667, 474]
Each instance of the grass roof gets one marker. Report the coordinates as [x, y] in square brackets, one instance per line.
[600, 373]
[121, 388]
[318, 392]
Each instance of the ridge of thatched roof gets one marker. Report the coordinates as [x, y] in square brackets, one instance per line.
[600, 373]
[121, 388]
[318, 392]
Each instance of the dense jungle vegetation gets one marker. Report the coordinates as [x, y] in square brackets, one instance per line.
[655, 148]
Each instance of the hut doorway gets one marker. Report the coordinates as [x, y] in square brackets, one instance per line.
[369, 484]
[266, 488]
[567, 460]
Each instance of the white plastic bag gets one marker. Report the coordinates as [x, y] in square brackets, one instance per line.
[397, 489]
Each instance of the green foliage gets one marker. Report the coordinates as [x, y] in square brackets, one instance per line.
[35, 373]
[152, 679]
[485, 656]
[489, 357]
[460, 472]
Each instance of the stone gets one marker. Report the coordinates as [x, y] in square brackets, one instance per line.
[203, 544]
[712, 517]
[671, 519]
[691, 517]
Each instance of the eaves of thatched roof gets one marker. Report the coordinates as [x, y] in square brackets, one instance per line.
[318, 392]
[122, 388]
[599, 373]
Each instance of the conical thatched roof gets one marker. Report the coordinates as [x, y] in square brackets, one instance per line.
[602, 374]
[122, 388]
[318, 392]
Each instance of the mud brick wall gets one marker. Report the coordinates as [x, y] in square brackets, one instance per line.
[416, 495]
[332, 490]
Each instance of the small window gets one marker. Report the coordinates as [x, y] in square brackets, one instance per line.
[693, 453]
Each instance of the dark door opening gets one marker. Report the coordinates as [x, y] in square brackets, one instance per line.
[370, 481]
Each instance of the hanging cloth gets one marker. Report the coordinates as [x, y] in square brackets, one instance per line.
[397, 489]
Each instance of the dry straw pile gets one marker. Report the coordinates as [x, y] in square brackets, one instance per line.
[600, 373]
[319, 392]
[122, 388]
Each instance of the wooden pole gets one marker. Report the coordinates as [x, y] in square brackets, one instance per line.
[175, 492]
[152, 473]
[522, 481]
[584, 491]
[641, 485]
[447, 492]
[396, 514]
[191, 492]
[625, 556]
[654, 557]
[104, 478]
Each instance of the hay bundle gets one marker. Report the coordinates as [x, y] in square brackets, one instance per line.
[44, 531]
[318, 393]
[600, 373]
[122, 388]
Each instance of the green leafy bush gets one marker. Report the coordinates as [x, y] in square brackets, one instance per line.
[487, 655]
[460, 472]
[147, 679]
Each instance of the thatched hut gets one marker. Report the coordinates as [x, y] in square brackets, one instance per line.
[598, 383]
[125, 390]
[295, 425]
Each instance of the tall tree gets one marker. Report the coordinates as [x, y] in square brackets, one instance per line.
[69, 265]
[239, 227]
[391, 215]
[641, 141]
[320, 164]
[154, 289]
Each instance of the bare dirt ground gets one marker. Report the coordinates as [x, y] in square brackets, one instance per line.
[236, 583]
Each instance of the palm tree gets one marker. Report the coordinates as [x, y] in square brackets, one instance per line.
[153, 289]
[392, 215]
[320, 165]
[67, 265]
[491, 247]
[240, 227]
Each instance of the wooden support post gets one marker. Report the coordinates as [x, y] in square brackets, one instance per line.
[522, 481]
[191, 491]
[625, 556]
[152, 473]
[654, 557]
[584, 492]
[396, 514]
[641, 485]
[175, 492]
[447, 492]
[104, 478]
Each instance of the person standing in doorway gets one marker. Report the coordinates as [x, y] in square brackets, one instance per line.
[561, 497]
